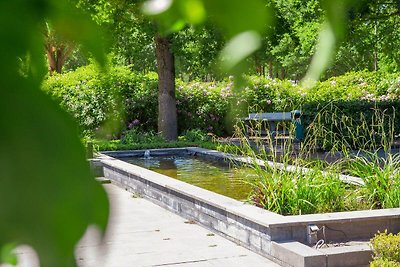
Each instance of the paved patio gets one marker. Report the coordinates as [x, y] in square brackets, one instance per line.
[143, 234]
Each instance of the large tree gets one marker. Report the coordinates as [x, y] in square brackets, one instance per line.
[167, 116]
[126, 17]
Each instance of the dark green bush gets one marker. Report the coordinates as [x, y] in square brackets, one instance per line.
[195, 135]
[353, 123]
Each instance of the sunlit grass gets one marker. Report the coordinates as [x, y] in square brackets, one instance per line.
[283, 185]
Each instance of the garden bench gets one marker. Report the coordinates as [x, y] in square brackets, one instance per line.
[270, 121]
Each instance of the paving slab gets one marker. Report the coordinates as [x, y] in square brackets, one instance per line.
[141, 233]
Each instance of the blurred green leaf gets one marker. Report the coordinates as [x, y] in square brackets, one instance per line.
[332, 32]
[48, 196]
[193, 10]
[323, 55]
[235, 16]
[239, 48]
[336, 14]
[7, 254]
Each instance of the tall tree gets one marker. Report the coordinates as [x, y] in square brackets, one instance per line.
[167, 116]
[123, 15]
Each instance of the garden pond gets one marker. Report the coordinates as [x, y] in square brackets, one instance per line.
[217, 176]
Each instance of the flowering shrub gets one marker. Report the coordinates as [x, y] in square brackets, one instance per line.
[94, 97]
[355, 85]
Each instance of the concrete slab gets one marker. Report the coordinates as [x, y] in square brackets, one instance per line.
[143, 234]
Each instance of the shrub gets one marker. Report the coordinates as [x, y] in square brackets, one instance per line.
[353, 86]
[386, 248]
[202, 106]
[94, 98]
[134, 136]
[195, 135]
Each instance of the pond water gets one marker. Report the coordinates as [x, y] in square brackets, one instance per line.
[218, 177]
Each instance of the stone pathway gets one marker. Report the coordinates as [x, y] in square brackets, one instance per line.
[143, 234]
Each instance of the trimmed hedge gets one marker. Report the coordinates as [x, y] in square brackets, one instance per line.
[94, 98]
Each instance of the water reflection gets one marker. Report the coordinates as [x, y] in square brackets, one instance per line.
[212, 176]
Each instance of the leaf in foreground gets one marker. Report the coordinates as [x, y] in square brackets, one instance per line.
[48, 196]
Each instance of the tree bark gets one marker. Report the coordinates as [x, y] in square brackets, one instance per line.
[51, 59]
[167, 117]
[270, 70]
[56, 56]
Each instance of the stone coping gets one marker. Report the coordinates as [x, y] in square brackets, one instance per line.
[244, 210]
[224, 203]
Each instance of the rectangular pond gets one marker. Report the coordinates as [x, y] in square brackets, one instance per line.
[217, 176]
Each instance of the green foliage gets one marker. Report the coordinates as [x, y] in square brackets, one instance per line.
[295, 193]
[355, 86]
[195, 135]
[356, 124]
[48, 196]
[113, 145]
[94, 97]
[202, 106]
[386, 248]
[244, 24]
[360, 100]
[300, 191]
[384, 263]
[381, 177]
[7, 254]
[133, 136]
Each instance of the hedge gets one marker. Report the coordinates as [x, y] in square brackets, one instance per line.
[94, 97]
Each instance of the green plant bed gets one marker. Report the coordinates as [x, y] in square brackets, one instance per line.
[113, 145]
[290, 184]
[298, 192]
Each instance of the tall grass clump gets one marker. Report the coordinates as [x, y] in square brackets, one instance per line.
[294, 191]
[334, 129]
[365, 149]
[290, 182]
[381, 176]
[298, 192]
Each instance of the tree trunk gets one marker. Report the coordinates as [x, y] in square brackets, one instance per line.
[376, 46]
[270, 70]
[283, 74]
[167, 118]
[51, 60]
[56, 57]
